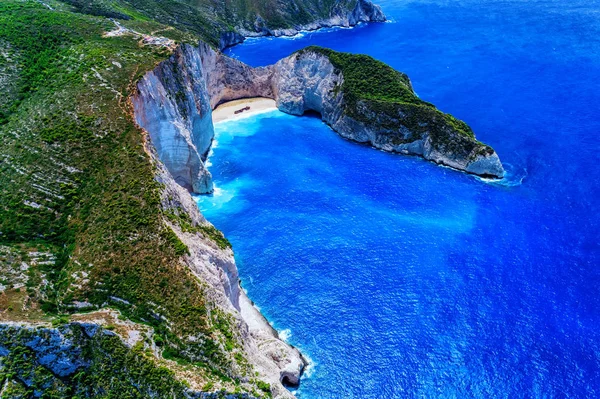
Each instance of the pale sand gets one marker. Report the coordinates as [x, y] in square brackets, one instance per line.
[226, 111]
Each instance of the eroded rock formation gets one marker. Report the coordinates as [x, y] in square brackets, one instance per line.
[308, 81]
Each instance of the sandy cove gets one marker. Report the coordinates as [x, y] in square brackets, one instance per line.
[226, 111]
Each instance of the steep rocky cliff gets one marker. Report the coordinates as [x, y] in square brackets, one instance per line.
[176, 104]
[366, 101]
[201, 78]
[89, 358]
[210, 259]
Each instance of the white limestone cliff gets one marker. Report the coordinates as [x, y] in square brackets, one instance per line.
[173, 106]
[175, 101]
[162, 117]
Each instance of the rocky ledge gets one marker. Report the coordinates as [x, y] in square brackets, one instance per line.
[363, 11]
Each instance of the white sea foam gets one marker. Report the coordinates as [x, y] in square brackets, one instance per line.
[218, 191]
[310, 369]
[284, 335]
[512, 178]
[298, 35]
[219, 197]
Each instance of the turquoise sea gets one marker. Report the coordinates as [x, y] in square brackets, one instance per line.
[402, 279]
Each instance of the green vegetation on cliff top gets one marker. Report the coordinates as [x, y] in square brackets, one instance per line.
[373, 89]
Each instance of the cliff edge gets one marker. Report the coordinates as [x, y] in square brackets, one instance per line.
[173, 104]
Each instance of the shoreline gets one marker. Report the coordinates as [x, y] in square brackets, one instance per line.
[257, 105]
[365, 11]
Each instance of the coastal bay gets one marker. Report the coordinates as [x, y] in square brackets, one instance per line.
[415, 280]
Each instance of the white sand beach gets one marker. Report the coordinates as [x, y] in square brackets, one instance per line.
[256, 105]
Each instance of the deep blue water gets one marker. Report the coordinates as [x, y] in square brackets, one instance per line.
[401, 279]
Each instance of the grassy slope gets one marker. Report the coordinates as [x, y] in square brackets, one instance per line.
[385, 92]
[76, 183]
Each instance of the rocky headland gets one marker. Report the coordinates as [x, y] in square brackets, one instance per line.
[339, 15]
[366, 101]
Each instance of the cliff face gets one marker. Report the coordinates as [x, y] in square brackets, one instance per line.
[274, 360]
[181, 124]
[339, 15]
[228, 79]
[175, 101]
[173, 106]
